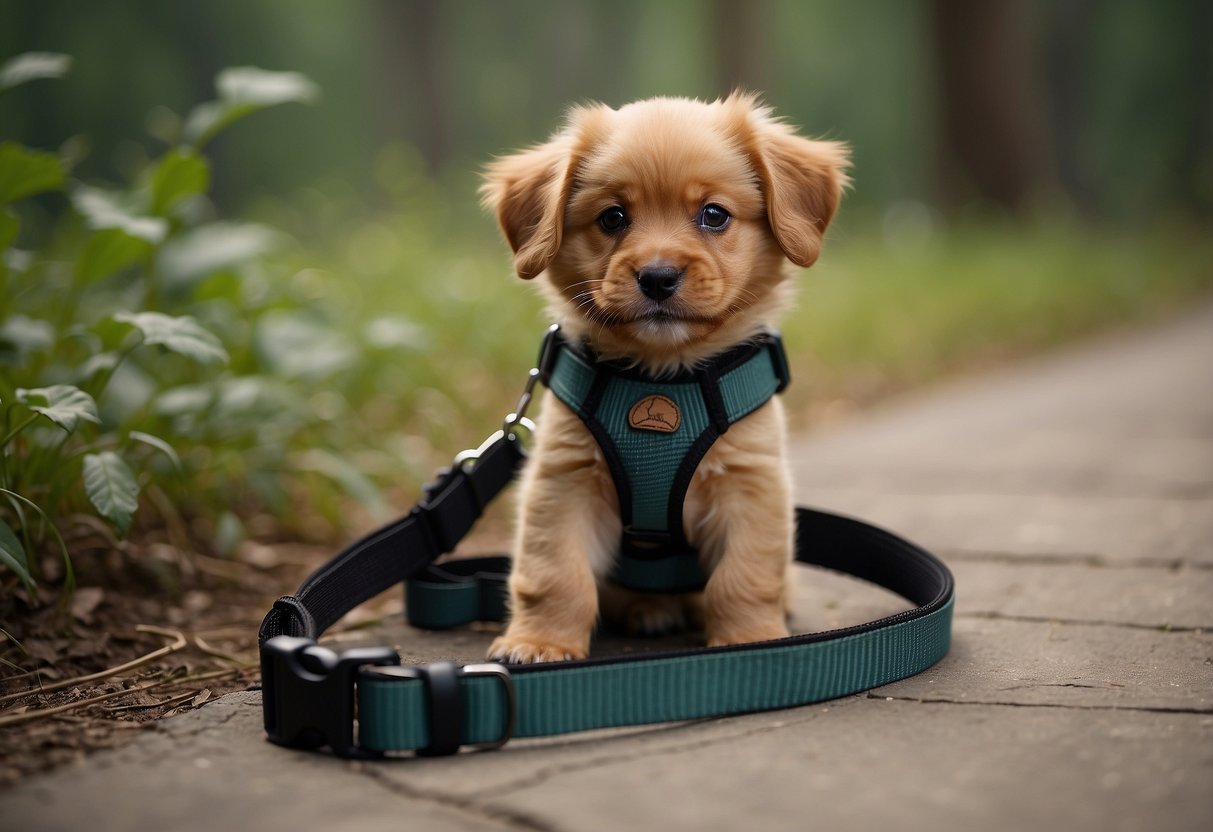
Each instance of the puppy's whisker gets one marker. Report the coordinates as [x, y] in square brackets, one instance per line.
[592, 280]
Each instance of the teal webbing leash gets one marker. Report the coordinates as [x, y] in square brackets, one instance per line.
[363, 702]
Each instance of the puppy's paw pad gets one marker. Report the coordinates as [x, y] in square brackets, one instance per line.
[520, 651]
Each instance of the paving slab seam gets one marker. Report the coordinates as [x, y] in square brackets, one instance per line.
[1090, 492]
[1055, 705]
[1069, 559]
[543, 775]
[1075, 622]
[170, 730]
[461, 804]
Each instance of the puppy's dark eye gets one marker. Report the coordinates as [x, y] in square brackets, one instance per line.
[613, 219]
[713, 217]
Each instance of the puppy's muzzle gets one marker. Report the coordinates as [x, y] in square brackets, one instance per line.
[659, 282]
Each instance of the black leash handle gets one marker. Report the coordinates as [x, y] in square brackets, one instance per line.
[393, 553]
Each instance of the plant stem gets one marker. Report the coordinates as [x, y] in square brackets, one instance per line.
[12, 433]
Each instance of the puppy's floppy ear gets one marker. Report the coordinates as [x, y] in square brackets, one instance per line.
[802, 180]
[528, 191]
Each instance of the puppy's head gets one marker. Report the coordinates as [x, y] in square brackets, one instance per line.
[662, 228]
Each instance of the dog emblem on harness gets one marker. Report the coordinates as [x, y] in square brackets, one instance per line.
[655, 412]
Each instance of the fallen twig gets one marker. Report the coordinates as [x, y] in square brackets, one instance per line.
[219, 654]
[179, 643]
[26, 716]
[13, 719]
[229, 569]
[81, 720]
[137, 706]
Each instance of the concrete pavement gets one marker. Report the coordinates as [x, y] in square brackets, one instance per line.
[1073, 498]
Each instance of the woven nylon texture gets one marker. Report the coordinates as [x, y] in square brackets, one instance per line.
[674, 573]
[651, 459]
[392, 714]
[442, 606]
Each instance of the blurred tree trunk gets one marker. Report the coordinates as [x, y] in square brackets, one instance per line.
[1195, 174]
[737, 34]
[993, 138]
[1068, 45]
[414, 87]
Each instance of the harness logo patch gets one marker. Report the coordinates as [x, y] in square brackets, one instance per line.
[656, 413]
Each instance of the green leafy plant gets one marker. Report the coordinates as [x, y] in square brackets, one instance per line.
[95, 338]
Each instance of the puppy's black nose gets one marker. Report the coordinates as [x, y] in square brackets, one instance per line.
[659, 282]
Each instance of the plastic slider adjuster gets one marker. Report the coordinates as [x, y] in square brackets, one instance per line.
[444, 702]
[548, 350]
[308, 693]
[779, 360]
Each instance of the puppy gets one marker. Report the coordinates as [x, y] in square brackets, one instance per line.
[710, 201]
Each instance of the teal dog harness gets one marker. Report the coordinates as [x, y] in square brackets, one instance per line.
[365, 702]
[653, 433]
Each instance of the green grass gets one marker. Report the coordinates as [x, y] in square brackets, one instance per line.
[195, 379]
[874, 317]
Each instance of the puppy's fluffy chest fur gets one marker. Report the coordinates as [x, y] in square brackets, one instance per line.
[661, 233]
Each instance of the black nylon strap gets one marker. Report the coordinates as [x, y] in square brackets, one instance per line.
[393, 553]
[831, 541]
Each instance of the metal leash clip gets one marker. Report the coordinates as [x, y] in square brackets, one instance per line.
[539, 374]
[517, 418]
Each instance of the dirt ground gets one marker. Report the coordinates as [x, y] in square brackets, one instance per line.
[130, 646]
[150, 632]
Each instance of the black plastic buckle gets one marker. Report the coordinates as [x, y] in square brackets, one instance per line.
[444, 702]
[308, 693]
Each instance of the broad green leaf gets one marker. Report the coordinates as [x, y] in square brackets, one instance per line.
[352, 481]
[102, 362]
[111, 488]
[12, 555]
[181, 335]
[251, 85]
[180, 401]
[103, 209]
[180, 174]
[229, 533]
[18, 260]
[25, 172]
[389, 332]
[26, 335]
[109, 250]
[159, 444]
[207, 249]
[63, 404]
[128, 392]
[32, 66]
[8, 229]
[297, 347]
[245, 90]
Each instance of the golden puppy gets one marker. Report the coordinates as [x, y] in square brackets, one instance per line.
[661, 232]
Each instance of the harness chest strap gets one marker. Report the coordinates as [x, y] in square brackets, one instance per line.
[362, 703]
[653, 432]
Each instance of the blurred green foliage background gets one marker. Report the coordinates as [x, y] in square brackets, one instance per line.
[1025, 172]
[1110, 100]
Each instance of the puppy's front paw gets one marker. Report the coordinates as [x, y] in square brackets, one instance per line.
[528, 651]
[719, 637]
